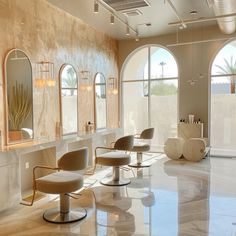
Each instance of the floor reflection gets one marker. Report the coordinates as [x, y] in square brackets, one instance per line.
[171, 198]
[193, 197]
[112, 214]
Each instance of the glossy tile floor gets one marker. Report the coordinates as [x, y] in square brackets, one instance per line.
[170, 198]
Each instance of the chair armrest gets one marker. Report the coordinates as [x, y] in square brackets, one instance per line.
[104, 148]
[45, 167]
[34, 183]
[42, 167]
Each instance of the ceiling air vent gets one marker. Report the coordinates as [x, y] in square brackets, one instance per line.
[134, 12]
[122, 5]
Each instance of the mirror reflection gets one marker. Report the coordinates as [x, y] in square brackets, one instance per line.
[19, 101]
[69, 84]
[100, 101]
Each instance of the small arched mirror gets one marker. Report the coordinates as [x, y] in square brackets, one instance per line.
[100, 101]
[19, 97]
[69, 85]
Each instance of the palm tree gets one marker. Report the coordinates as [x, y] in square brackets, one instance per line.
[162, 64]
[229, 68]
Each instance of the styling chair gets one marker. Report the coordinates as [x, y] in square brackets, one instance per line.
[116, 157]
[140, 147]
[63, 181]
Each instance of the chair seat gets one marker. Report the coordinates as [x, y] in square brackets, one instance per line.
[113, 159]
[141, 147]
[60, 182]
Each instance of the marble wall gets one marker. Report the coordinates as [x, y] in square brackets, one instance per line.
[44, 32]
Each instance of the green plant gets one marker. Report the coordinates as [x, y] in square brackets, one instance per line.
[19, 105]
[163, 89]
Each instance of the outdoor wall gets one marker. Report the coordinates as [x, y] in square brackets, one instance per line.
[193, 60]
[44, 32]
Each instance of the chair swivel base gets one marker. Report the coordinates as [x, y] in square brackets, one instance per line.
[112, 182]
[139, 162]
[140, 165]
[55, 216]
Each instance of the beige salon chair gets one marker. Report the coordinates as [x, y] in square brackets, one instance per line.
[116, 157]
[63, 182]
[140, 147]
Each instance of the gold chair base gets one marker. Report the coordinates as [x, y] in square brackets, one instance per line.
[140, 165]
[55, 216]
[111, 182]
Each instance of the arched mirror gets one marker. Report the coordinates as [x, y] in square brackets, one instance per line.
[19, 97]
[100, 101]
[69, 113]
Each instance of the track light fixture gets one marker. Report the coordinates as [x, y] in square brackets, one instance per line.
[96, 7]
[112, 19]
[114, 16]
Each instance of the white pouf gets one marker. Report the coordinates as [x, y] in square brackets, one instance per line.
[174, 148]
[194, 149]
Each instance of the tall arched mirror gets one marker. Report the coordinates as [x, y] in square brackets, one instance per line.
[69, 113]
[100, 101]
[19, 97]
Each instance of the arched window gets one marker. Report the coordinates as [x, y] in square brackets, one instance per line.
[223, 102]
[150, 85]
[100, 101]
[69, 84]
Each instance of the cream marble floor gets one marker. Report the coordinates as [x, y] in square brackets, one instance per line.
[170, 198]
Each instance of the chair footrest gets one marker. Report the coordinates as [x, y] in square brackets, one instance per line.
[55, 216]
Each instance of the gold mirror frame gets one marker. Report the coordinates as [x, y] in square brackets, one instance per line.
[24, 97]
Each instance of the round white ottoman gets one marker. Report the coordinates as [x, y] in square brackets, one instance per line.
[194, 149]
[174, 148]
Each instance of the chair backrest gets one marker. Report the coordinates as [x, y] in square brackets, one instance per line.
[125, 143]
[75, 160]
[147, 133]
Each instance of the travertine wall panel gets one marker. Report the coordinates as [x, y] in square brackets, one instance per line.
[44, 32]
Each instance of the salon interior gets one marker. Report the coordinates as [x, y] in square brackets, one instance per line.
[118, 117]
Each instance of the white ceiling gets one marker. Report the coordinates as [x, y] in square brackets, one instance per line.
[159, 14]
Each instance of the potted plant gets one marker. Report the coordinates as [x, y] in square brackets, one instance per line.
[19, 108]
